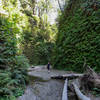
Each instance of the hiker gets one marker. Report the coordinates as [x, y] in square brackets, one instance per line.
[48, 66]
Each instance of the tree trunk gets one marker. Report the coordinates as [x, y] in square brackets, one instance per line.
[79, 93]
[60, 6]
[65, 91]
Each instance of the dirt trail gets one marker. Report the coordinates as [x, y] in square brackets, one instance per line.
[42, 87]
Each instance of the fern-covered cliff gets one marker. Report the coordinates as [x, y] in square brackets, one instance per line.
[78, 37]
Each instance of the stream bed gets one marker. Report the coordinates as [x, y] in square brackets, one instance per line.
[48, 90]
[41, 86]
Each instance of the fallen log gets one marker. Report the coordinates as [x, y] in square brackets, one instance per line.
[91, 72]
[65, 91]
[79, 94]
[69, 76]
[90, 79]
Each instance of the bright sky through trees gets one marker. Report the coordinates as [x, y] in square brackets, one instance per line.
[54, 12]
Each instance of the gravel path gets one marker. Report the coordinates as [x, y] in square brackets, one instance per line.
[42, 87]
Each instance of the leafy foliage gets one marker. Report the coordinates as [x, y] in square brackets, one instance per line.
[22, 32]
[13, 64]
[78, 36]
[39, 43]
[96, 92]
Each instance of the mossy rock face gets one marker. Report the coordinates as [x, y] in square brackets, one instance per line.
[78, 37]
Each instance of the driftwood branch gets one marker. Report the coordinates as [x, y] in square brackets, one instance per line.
[79, 94]
[65, 91]
[84, 65]
[90, 79]
[91, 72]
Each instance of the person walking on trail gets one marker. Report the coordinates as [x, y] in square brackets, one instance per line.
[48, 66]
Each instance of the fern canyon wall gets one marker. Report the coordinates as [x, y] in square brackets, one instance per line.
[78, 37]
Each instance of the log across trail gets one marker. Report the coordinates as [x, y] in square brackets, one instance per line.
[79, 94]
[65, 90]
[87, 81]
[68, 76]
[77, 91]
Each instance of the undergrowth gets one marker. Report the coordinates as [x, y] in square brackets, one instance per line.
[13, 66]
